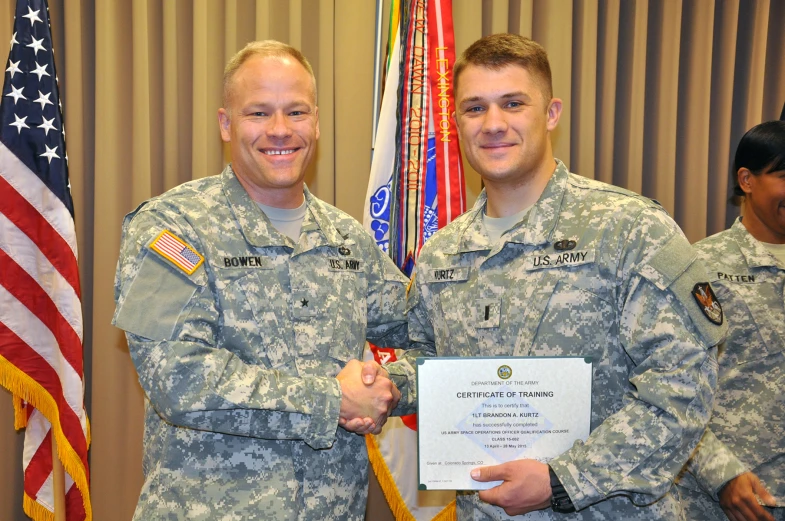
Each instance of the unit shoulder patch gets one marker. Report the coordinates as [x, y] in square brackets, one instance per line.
[707, 302]
[176, 251]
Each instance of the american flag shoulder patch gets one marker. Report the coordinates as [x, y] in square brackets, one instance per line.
[176, 251]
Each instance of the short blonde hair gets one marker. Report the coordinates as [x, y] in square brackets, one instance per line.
[265, 49]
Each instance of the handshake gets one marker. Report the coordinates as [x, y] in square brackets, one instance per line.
[368, 396]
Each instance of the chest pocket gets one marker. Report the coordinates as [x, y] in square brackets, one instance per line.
[330, 317]
[564, 319]
[559, 307]
[254, 308]
[762, 334]
[449, 292]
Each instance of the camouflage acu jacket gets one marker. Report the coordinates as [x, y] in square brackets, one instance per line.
[747, 429]
[237, 356]
[591, 270]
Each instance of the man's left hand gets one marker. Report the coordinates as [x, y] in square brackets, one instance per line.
[526, 487]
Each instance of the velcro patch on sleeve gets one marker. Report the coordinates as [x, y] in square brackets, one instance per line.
[176, 251]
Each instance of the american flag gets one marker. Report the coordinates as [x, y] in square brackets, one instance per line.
[174, 249]
[40, 309]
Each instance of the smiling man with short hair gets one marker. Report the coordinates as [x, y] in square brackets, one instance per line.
[624, 296]
[246, 303]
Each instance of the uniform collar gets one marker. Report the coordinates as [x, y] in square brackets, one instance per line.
[317, 229]
[755, 253]
[536, 227]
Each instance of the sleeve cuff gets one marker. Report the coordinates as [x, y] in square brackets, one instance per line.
[400, 377]
[732, 471]
[581, 491]
[325, 409]
[713, 464]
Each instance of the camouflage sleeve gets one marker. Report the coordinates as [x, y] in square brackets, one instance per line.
[421, 344]
[713, 464]
[171, 322]
[672, 370]
[386, 302]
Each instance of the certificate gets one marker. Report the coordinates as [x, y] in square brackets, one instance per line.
[476, 412]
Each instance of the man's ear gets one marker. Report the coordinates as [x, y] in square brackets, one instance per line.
[744, 176]
[225, 124]
[316, 112]
[554, 113]
[457, 123]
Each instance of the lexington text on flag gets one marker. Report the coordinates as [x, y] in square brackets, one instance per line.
[416, 186]
[40, 309]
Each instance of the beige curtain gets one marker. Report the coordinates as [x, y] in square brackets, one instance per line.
[656, 93]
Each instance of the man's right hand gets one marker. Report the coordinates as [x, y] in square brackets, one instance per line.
[368, 397]
[739, 499]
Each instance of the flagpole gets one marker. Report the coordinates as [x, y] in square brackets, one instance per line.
[58, 483]
[377, 42]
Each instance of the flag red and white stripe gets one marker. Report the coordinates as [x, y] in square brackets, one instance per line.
[40, 308]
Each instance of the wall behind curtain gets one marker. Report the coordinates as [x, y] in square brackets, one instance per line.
[657, 95]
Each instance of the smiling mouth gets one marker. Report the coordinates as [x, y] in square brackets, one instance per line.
[285, 152]
[492, 146]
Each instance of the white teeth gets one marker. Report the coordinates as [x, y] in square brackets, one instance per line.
[278, 152]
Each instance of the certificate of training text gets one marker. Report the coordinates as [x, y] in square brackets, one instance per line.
[475, 412]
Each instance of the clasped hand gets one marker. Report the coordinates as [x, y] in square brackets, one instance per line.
[368, 397]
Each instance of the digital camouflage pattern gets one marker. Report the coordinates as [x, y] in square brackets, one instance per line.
[238, 360]
[747, 429]
[617, 288]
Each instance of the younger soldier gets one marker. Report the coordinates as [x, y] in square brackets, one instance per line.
[626, 296]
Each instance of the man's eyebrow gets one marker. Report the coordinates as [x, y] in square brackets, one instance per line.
[515, 94]
[472, 99]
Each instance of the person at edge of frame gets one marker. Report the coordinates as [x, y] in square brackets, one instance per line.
[738, 469]
[633, 297]
[246, 303]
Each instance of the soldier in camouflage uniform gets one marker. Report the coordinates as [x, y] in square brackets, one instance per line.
[742, 455]
[548, 263]
[245, 332]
